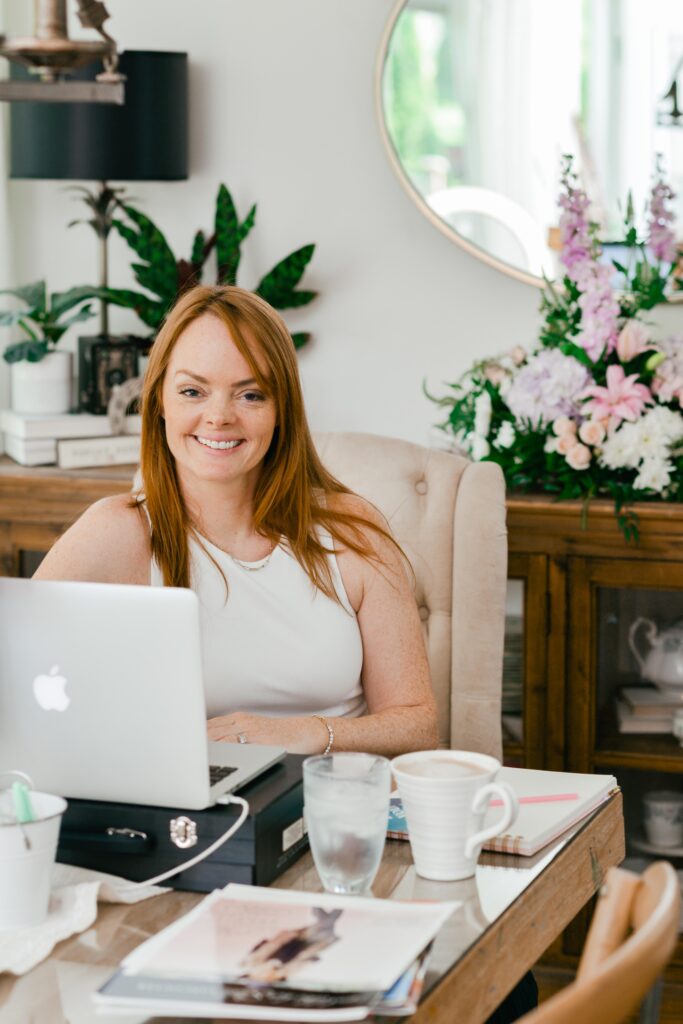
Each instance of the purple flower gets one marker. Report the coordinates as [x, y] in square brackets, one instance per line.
[661, 239]
[548, 386]
[580, 254]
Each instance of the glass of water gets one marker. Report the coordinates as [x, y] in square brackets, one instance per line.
[346, 805]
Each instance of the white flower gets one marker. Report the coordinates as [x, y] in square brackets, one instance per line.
[482, 414]
[479, 447]
[506, 436]
[654, 475]
[621, 449]
[550, 445]
[667, 422]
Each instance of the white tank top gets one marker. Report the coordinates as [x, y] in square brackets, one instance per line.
[277, 645]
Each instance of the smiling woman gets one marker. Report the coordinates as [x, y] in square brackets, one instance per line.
[311, 637]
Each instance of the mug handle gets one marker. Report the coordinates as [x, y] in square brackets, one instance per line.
[510, 812]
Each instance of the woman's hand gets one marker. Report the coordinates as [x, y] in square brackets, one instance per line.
[298, 735]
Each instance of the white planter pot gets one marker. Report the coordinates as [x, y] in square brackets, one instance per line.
[43, 387]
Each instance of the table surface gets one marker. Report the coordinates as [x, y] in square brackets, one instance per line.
[508, 914]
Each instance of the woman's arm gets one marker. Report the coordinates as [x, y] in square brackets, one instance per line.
[108, 544]
[401, 707]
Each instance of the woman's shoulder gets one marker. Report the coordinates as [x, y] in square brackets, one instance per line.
[109, 543]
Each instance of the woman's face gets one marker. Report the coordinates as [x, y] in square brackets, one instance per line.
[219, 422]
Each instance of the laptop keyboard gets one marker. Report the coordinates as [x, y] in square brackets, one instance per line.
[218, 772]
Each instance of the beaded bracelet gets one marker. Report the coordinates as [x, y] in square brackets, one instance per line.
[330, 733]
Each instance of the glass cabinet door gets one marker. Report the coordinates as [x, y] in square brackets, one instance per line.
[626, 682]
[524, 661]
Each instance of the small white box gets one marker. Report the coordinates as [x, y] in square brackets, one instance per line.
[98, 451]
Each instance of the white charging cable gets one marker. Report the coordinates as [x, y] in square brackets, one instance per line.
[228, 799]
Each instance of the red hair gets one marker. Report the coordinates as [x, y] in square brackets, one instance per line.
[292, 494]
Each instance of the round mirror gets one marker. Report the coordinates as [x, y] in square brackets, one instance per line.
[479, 99]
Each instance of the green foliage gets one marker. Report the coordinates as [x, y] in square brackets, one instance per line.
[102, 204]
[43, 318]
[278, 287]
[164, 277]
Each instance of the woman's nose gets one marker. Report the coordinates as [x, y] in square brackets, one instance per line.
[219, 411]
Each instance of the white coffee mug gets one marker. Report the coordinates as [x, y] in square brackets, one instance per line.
[445, 795]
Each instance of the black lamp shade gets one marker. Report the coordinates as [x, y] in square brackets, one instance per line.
[143, 140]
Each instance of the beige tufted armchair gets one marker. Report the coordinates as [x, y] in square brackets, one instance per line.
[448, 514]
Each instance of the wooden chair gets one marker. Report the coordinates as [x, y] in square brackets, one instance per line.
[630, 941]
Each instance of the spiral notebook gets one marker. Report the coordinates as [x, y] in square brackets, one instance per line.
[550, 803]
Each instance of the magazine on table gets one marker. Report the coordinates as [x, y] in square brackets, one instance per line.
[282, 955]
[146, 994]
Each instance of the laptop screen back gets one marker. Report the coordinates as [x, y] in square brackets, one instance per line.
[101, 691]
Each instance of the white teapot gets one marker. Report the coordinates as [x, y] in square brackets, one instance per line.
[662, 663]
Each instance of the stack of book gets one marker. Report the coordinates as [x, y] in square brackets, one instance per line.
[645, 709]
[274, 954]
[72, 440]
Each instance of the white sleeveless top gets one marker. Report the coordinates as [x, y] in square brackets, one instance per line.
[276, 645]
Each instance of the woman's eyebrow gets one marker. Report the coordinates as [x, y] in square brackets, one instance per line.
[203, 380]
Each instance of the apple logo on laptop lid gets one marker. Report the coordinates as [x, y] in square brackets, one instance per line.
[50, 692]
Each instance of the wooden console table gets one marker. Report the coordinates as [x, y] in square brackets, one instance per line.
[38, 503]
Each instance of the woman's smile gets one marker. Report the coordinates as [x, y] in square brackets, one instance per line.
[218, 445]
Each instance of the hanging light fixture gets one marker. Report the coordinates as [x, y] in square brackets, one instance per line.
[51, 55]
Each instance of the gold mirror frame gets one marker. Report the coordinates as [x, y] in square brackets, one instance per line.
[474, 250]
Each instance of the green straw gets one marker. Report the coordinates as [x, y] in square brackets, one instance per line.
[22, 803]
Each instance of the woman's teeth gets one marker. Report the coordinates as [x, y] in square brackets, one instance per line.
[217, 444]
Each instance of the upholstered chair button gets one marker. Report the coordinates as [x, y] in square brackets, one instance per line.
[421, 486]
[424, 612]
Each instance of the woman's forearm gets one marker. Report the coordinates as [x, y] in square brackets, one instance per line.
[391, 732]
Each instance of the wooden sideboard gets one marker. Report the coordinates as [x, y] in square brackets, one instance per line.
[583, 586]
[38, 503]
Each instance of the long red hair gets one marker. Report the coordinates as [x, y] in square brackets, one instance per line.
[292, 496]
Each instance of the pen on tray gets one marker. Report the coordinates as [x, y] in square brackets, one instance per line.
[548, 798]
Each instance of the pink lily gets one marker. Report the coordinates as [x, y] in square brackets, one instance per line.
[622, 399]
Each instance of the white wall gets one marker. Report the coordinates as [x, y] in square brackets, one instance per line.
[282, 111]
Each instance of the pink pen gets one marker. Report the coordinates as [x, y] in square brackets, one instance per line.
[549, 798]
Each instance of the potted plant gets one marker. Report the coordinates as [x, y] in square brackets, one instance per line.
[164, 276]
[40, 373]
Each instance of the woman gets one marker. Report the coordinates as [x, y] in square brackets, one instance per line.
[310, 633]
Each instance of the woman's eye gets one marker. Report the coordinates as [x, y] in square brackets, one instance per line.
[189, 392]
[254, 396]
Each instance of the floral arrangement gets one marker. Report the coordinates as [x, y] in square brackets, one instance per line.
[595, 408]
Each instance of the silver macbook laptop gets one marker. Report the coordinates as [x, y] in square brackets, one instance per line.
[101, 696]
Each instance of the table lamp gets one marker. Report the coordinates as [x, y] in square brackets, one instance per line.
[146, 139]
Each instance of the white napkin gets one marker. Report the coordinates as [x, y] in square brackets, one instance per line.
[73, 908]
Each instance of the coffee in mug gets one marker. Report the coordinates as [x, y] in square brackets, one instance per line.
[444, 768]
[445, 795]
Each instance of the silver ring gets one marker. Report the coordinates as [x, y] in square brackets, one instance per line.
[242, 737]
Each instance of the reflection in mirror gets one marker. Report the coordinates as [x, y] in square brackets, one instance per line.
[481, 98]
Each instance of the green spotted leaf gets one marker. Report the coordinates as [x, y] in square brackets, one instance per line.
[227, 237]
[278, 286]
